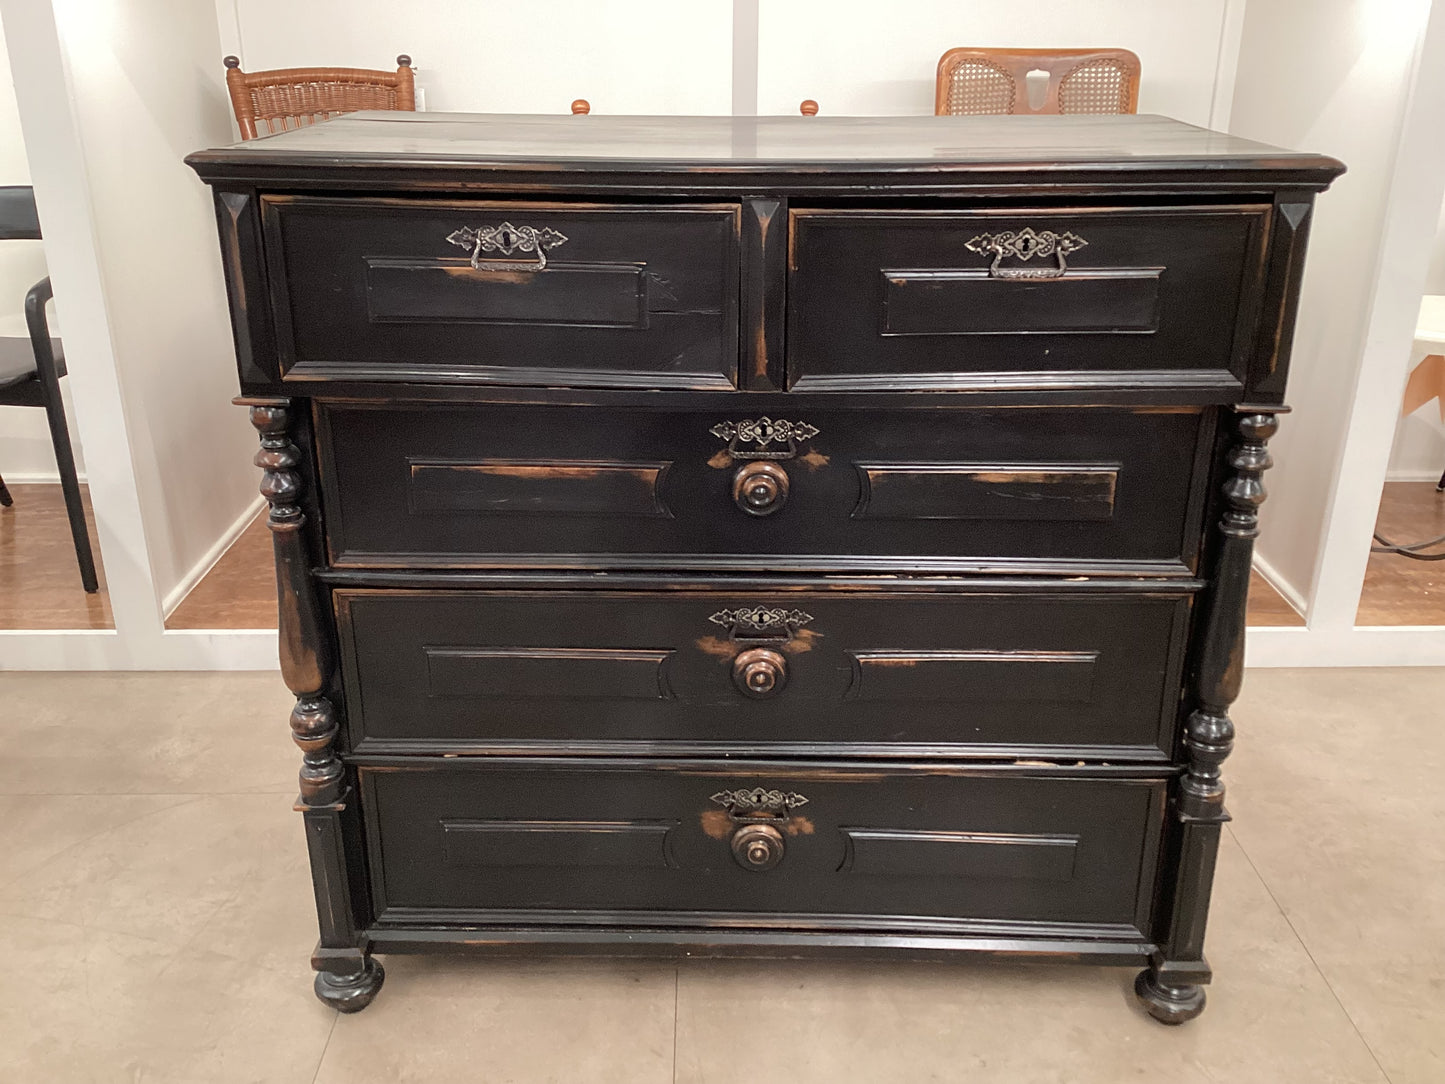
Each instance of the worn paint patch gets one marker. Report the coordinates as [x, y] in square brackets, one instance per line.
[716, 823]
[721, 460]
[814, 460]
[802, 641]
[799, 826]
[717, 647]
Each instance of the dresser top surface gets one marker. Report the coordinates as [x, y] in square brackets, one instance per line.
[774, 144]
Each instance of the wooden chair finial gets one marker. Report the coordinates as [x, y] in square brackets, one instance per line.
[808, 107]
[581, 107]
[403, 61]
[231, 61]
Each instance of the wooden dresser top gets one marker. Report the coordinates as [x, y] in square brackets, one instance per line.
[1070, 147]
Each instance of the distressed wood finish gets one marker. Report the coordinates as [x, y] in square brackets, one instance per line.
[763, 536]
[1042, 491]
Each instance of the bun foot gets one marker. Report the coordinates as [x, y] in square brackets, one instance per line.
[1171, 1005]
[350, 993]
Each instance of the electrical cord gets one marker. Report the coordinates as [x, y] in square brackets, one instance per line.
[1409, 549]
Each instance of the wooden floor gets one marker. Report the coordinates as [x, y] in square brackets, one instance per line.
[1399, 590]
[239, 592]
[1267, 607]
[39, 579]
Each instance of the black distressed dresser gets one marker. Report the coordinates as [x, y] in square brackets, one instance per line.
[763, 535]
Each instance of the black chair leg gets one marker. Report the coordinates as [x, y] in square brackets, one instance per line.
[5, 499]
[59, 432]
[1440, 485]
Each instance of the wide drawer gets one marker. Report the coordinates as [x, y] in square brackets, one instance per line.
[1024, 297]
[451, 290]
[1075, 670]
[561, 841]
[1032, 489]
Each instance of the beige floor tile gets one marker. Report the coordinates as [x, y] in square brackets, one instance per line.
[35, 829]
[1335, 788]
[83, 1006]
[544, 1022]
[162, 733]
[160, 876]
[1271, 1018]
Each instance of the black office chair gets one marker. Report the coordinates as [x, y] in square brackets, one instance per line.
[30, 372]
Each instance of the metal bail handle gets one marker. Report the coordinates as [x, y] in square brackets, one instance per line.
[507, 239]
[1024, 245]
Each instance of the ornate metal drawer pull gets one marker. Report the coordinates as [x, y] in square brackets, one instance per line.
[749, 439]
[1024, 245]
[507, 239]
[761, 622]
[755, 801]
[756, 843]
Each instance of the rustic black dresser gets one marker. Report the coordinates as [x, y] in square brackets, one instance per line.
[763, 535]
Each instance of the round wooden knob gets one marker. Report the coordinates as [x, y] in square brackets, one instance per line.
[581, 106]
[760, 488]
[758, 846]
[808, 107]
[760, 672]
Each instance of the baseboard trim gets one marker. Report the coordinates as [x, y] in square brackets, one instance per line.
[1286, 590]
[1419, 474]
[37, 478]
[177, 594]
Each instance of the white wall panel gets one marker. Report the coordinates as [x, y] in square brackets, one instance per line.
[491, 56]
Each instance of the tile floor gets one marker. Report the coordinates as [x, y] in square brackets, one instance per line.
[157, 921]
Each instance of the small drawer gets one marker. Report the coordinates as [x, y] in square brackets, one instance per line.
[764, 486]
[533, 841]
[519, 293]
[948, 669]
[1024, 298]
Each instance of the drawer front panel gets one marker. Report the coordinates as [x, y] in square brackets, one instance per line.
[950, 670]
[598, 837]
[385, 289]
[953, 299]
[1036, 489]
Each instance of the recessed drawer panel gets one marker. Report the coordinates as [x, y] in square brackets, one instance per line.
[941, 850]
[520, 293]
[954, 668]
[1024, 298]
[1028, 489]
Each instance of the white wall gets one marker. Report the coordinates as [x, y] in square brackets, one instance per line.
[143, 96]
[26, 453]
[866, 57]
[1333, 76]
[501, 56]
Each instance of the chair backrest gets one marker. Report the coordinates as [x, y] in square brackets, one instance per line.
[284, 98]
[996, 81]
[19, 221]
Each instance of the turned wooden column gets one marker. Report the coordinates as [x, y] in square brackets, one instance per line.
[1171, 988]
[346, 976]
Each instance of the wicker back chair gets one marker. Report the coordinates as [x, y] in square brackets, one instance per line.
[293, 97]
[996, 81]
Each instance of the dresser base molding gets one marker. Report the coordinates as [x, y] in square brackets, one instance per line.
[721, 942]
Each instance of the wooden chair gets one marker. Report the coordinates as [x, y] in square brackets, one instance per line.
[972, 81]
[285, 98]
[30, 372]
